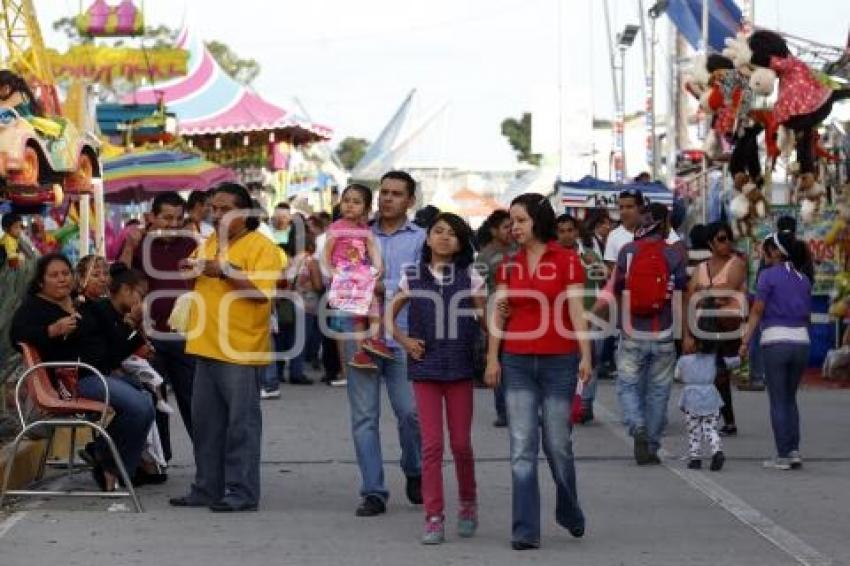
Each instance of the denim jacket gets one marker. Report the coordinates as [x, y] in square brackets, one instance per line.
[699, 396]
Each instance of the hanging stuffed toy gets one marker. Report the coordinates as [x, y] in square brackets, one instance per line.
[747, 206]
[839, 233]
[697, 84]
[810, 198]
[726, 93]
[838, 237]
[840, 305]
[803, 101]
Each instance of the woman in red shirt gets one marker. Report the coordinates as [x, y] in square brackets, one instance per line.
[539, 347]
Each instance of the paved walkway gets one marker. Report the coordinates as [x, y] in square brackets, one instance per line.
[653, 516]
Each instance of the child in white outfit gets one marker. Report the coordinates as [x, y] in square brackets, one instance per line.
[142, 370]
[701, 404]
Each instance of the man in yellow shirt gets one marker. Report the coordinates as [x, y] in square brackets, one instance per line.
[236, 273]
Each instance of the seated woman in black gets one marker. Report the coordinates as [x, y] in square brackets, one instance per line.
[49, 321]
[119, 319]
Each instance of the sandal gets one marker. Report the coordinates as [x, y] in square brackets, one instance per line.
[104, 480]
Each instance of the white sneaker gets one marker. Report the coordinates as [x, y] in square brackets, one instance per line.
[339, 382]
[795, 460]
[778, 463]
[273, 394]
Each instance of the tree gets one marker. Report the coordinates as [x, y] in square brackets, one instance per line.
[162, 36]
[241, 70]
[68, 26]
[518, 133]
[351, 150]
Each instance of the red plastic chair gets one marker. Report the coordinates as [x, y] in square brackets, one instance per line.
[54, 411]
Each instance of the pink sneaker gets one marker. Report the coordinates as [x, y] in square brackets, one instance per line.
[467, 520]
[434, 532]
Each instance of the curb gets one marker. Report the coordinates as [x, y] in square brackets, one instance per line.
[30, 453]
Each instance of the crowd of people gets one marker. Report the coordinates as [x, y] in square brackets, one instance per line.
[225, 303]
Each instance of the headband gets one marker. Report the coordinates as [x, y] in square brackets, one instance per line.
[775, 239]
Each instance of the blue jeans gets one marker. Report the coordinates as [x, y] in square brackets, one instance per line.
[756, 359]
[178, 369]
[531, 383]
[134, 414]
[364, 398]
[228, 428]
[588, 394]
[285, 342]
[784, 365]
[312, 338]
[269, 377]
[644, 377]
[499, 401]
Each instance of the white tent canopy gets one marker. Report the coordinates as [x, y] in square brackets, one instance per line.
[409, 141]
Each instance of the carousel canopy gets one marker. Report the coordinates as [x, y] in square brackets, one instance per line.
[209, 102]
[140, 175]
[114, 119]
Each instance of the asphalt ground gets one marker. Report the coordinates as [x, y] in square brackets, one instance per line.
[658, 515]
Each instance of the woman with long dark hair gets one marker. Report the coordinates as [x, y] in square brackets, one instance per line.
[15, 92]
[440, 345]
[597, 226]
[495, 244]
[783, 308]
[49, 321]
[726, 273]
[543, 354]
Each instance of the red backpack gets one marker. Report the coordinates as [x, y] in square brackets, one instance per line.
[648, 279]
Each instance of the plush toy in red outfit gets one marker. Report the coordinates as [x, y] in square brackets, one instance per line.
[802, 103]
[727, 94]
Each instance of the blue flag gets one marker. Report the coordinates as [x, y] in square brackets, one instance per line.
[724, 20]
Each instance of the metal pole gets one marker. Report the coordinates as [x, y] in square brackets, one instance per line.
[748, 10]
[611, 54]
[705, 50]
[648, 44]
[653, 142]
[643, 36]
[621, 121]
[560, 89]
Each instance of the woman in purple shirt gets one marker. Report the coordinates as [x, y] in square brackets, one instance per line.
[783, 307]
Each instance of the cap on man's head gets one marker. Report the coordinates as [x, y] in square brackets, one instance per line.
[633, 194]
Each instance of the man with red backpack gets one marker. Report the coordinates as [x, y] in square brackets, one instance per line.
[650, 275]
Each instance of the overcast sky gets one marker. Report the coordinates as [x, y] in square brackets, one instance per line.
[352, 63]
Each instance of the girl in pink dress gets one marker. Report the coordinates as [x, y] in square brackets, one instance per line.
[355, 261]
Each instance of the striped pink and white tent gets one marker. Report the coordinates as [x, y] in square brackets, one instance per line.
[209, 102]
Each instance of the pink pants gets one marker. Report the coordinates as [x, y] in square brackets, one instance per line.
[429, 403]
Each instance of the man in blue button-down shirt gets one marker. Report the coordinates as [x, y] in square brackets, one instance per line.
[401, 244]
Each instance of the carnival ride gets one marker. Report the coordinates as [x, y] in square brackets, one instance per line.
[103, 20]
[41, 157]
